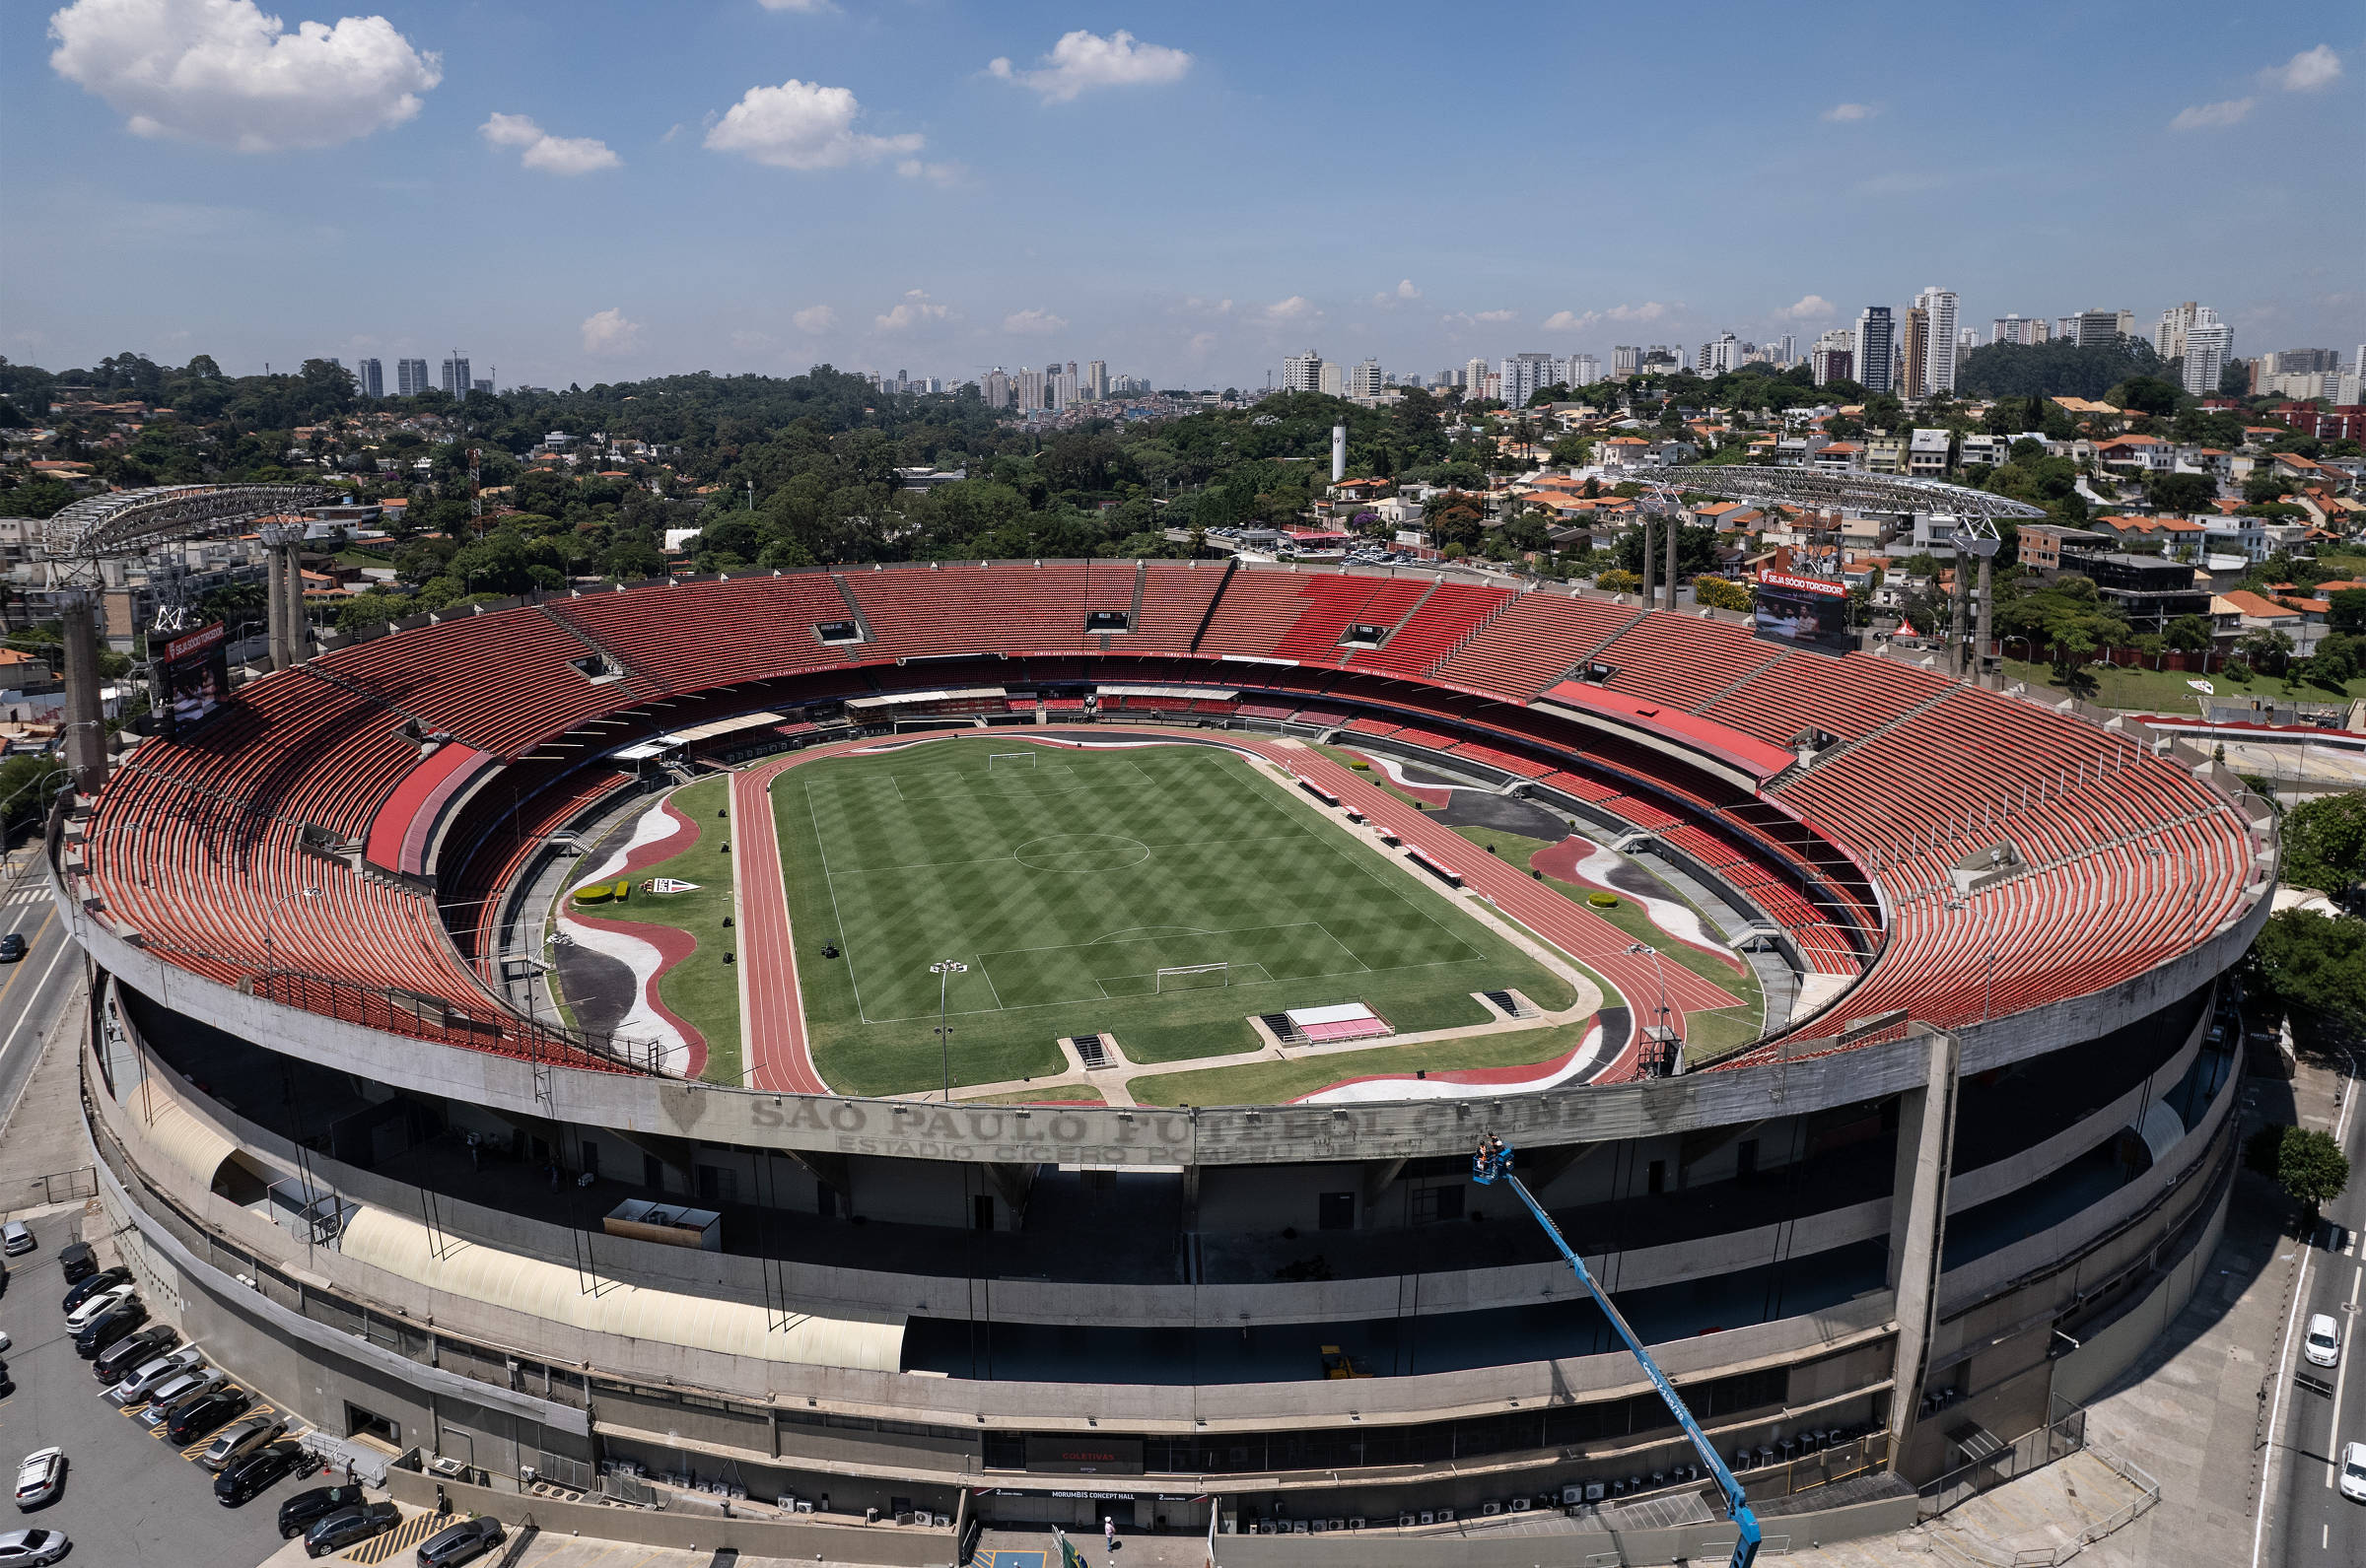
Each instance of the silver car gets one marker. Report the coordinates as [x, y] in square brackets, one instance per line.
[172, 1390]
[41, 1477]
[234, 1443]
[32, 1548]
[103, 1303]
[144, 1378]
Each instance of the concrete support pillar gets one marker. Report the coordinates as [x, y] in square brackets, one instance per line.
[1918, 1225]
[1988, 595]
[1650, 538]
[293, 585]
[1963, 611]
[1668, 590]
[86, 725]
[275, 605]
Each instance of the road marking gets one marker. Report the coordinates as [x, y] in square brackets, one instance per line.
[2333, 1438]
[9, 989]
[2275, 1413]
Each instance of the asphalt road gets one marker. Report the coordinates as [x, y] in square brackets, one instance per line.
[32, 988]
[2311, 1525]
[130, 1498]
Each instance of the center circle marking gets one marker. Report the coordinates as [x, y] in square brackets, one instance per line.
[1081, 852]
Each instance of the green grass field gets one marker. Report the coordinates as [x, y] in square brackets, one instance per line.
[1068, 881]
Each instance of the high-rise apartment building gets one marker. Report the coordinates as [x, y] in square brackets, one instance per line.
[1333, 382]
[1302, 372]
[1915, 350]
[1474, 378]
[1622, 359]
[1876, 348]
[369, 378]
[2096, 329]
[1719, 357]
[2022, 329]
[1030, 390]
[455, 378]
[2300, 362]
[482, 385]
[1584, 371]
[2205, 342]
[996, 388]
[1365, 381]
[410, 377]
[2169, 333]
[1659, 360]
[1096, 380]
[1938, 362]
[1833, 358]
[1523, 376]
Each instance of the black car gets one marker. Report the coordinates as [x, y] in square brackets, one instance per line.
[12, 948]
[464, 1541]
[105, 1279]
[202, 1415]
[303, 1511]
[77, 1260]
[263, 1467]
[116, 1361]
[110, 1326]
[341, 1530]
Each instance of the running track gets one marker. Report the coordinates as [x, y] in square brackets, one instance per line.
[778, 1053]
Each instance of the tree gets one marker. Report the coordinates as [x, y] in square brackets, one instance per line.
[2144, 394]
[2314, 971]
[2310, 1168]
[2181, 492]
[2324, 843]
[1571, 452]
[2349, 612]
[1720, 595]
[2191, 633]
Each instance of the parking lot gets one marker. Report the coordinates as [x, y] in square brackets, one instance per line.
[130, 1497]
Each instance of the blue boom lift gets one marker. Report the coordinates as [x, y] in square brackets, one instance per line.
[1493, 1164]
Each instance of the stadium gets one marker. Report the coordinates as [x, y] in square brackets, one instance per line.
[1005, 1041]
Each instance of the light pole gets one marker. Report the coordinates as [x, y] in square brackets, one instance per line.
[945, 970]
[1638, 950]
[271, 916]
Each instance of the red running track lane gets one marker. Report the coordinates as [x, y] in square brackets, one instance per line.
[772, 1024]
[1576, 930]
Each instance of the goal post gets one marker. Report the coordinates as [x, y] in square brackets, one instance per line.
[1192, 976]
[1010, 759]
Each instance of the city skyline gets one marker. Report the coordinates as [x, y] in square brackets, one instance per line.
[845, 190]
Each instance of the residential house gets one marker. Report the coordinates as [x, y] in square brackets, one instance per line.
[1885, 455]
[2146, 454]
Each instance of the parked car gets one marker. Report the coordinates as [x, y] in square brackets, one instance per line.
[303, 1511]
[31, 1548]
[110, 1326]
[15, 1239]
[151, 1375]
[464, 1541]
[193, 1418]
[2322, 1345]
[191, 1384]
[5, 1343]
[250, 1473]
[2353, 1472]
[41, 1476]
[234, 1443]
[105, 1301]
[119, 1360]
[342, 1529]
[76, 1261]
[105, 1279]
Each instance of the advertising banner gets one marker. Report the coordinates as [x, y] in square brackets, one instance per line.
[1805, 612]
[192, 678]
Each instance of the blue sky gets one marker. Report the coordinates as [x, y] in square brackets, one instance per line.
[589, 191]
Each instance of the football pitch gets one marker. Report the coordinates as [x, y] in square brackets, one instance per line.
[1161, 894]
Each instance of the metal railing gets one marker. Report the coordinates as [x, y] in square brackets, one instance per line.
[66, 1187]
[2059, 1437]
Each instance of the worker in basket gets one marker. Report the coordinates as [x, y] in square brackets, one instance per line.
[1492, 1159]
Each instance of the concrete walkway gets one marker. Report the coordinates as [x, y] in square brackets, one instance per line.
[43, 1135]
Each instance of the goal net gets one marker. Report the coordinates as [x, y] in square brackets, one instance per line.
[1191, 977]
[1010, 759]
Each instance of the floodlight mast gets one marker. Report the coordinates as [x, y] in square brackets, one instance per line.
[1495, 1166]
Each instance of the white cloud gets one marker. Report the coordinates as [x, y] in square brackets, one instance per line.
[1083, 61]
[1845, 113]
[221, 71]
[608, 332]
[803, 125]
[1807, 309]
[808, 7]
[1406, 290]
[1297, 307]
[551, 155]
[1201, 345]
[918, 309]
[816, 318]
[933, 174]
[1567, 321]
[1033, 321]
[1494, 315]
[2214, 117]
[1195, 303]
[2306, 71]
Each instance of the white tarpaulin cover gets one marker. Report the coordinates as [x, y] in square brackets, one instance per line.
[1346, 1012]
[871, 1342]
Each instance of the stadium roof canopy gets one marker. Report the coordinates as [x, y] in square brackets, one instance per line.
[125, 521]
[1800, 487]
